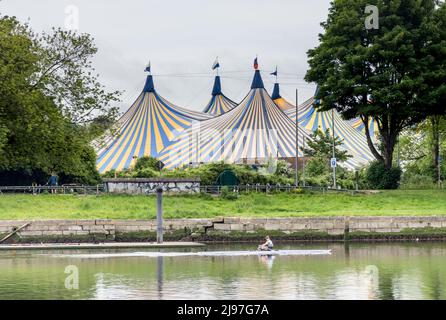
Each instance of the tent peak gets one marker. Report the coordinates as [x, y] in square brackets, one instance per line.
[257, 82]
[216, 90]
[276, 92]
[149, 87]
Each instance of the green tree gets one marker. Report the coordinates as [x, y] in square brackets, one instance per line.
[420, 149]
[65, 72]
[321, 146]
[51, 105]
[381, 73]
[437, 130]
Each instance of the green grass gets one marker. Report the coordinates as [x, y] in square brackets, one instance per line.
[399, 202]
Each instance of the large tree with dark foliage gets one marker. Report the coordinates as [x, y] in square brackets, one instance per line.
[394, 74]
[51, 105]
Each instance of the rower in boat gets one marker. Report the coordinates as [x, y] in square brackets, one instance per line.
[267, 246]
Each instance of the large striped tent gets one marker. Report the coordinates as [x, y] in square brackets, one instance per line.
[353, 140]
[219, 103]
[359, 125]
[255, 130]
[144, 130]
[279, 101]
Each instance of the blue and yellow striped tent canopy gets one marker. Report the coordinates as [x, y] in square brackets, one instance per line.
[353, 141]
[373, 127]
[145, 129]
[219, 103]
[279, 101]
[255, 130]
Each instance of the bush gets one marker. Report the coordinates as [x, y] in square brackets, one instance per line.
[147, 163]
[417, 181]
[246, 174]
[145, 173]
[228, 194]
[380, 177]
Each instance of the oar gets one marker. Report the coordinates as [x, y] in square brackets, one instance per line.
[14, 232]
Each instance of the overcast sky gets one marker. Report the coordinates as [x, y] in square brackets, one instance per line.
[181, 38]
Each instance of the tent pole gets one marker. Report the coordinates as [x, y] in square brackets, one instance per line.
[334, 152]
[296, 182]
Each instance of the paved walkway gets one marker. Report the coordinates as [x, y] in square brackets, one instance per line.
[107, 245]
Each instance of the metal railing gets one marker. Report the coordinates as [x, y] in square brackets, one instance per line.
[211, 189]
[63, 189]
[266, 188]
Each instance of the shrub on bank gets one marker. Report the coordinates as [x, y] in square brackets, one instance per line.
[380, 177]
[317, 173]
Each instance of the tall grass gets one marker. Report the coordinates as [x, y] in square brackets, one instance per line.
[397, 202]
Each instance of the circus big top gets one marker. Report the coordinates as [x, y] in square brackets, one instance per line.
[145, 129]
[254, 130]
[259, 128]
[353, 140]
[219, 103]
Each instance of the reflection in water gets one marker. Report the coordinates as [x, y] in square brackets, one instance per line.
[159, 273]
[355, 271]
[347, 252]
[267, 261]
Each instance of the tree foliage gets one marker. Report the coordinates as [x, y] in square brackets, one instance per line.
[394, 74]
[380, 177]
[321, 146]
[51, 105]
[422, 150]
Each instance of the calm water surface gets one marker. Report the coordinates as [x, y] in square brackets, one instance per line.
[357, 271]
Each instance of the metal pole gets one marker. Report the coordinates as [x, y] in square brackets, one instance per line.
[334, 153]
[159, 215]
[439, 163]
[160, 272]
[296, 181]
[303, 161]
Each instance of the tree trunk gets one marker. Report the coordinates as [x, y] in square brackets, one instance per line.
[365, 121]
[388, 134]
[389, 145]
[435, 121]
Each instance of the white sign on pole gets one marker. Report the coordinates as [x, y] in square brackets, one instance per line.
[333, 162]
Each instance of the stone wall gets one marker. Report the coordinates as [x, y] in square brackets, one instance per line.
[107, 230]
[149, 185]
[331, 225]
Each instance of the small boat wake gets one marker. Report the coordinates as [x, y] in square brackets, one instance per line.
[197, 254]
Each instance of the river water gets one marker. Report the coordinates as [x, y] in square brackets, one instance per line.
[356, 271]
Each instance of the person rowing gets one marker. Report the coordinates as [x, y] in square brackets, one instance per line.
[267, 246]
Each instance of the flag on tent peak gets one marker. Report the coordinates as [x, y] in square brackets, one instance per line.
[147, 68]
[274, 73]
[256, 64]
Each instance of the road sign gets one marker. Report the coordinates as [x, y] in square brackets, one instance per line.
[333, 162]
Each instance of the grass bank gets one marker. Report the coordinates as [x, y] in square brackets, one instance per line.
[386, 203]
